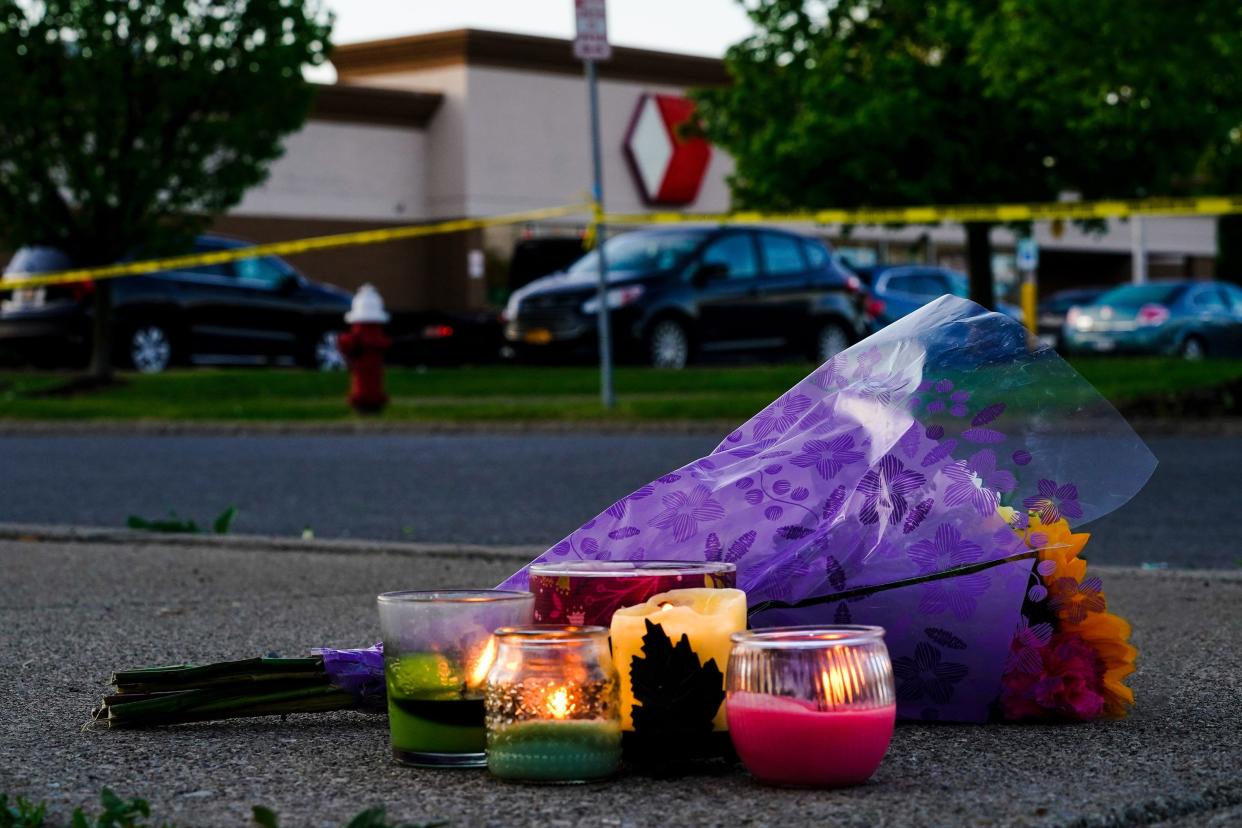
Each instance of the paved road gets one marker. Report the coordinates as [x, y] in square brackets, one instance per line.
[1175, 761]
[529, 489]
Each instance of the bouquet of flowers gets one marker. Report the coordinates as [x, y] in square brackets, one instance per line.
[923, 480]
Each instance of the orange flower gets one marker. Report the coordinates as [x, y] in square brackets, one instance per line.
[1107, 634]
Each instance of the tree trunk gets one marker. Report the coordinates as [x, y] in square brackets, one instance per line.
[101, 333]
[979, 263]
[1229, 248]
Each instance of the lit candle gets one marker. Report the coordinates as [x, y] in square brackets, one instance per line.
[811, 706]
[552, 706]
[707, 617]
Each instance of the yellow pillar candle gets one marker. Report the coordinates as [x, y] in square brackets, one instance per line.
[707, 616]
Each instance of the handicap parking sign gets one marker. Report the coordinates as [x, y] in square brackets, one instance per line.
[1028, 254]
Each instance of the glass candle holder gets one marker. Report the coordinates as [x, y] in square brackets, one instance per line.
[589, 592]
[552, 706]
[438, 648]
[811, 706]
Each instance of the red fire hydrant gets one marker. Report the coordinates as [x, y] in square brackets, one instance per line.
[363, 347]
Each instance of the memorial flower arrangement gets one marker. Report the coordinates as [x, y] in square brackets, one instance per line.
[925, 481]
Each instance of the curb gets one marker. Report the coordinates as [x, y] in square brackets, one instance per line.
[175, 428]
[1147, 427]
[36, 533]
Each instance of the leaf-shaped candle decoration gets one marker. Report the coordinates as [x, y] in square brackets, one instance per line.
[674, 692]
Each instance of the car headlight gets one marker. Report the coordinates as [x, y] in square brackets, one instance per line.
[511, 309]
[617, 298]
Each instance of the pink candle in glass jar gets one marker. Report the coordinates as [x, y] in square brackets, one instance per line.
[811, 706]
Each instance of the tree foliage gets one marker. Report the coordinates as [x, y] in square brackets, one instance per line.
[885, 102]
[130, 123]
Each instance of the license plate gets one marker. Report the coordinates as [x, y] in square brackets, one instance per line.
[538, 336]
[1104, 345]
[1048, 340]
[31, 297]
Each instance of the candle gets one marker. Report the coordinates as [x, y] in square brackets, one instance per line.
[589, 592]
[707, 617]
[788, 741]
[811, 706]
[438, 649]
[551, 705]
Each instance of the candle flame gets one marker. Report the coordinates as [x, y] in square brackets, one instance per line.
[478, 673]
[665, 607]
[843, 677]
[558, 703]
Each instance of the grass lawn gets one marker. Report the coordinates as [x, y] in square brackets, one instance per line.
[503, 392]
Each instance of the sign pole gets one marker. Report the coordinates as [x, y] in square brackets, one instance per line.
[607, 396]
[1028, 264]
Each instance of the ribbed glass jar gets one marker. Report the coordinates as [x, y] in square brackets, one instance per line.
[811, 706]
[553, 712]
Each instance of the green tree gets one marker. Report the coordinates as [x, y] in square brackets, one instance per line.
[875, 103]
[126, 126]
[884, 102]
[1148, 95]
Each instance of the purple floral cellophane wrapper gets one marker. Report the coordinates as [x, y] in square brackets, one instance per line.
[886, 463]
[358, 672]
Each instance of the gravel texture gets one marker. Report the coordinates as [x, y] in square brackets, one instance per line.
[495, 488]
[73, 609]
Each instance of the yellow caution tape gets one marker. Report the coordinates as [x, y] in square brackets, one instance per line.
[285, 248]
[1201, 206]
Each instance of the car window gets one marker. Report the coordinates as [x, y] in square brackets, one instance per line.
[1234, 295]
[816, 255]
[640, 251]
[263, 271]
[781, 254]
[1135, 296]
[736, 252]
[918, 284]
[1208, 299]
[38, 260]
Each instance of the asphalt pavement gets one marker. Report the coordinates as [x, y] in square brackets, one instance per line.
[74, 611]
[498, 488]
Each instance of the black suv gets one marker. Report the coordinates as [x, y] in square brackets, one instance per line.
[675, 292]
[252, 310]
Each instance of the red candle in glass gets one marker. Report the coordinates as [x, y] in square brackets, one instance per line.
[589, 592]
[811, 706]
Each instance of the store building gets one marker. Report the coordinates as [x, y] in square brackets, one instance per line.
[471, 123]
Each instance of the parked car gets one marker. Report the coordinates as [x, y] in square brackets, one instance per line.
[1052, 311]
[1193, 319]
[897, 290]
[252, 310]
[678, 292]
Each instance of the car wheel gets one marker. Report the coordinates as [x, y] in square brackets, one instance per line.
[150, 349]
[327, 355]
[1193, 349]
[831, 340]
[668, 345]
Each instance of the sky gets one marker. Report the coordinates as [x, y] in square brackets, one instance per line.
[700, 27]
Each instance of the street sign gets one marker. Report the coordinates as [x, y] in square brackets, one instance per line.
[591, 38]
[1028, 254]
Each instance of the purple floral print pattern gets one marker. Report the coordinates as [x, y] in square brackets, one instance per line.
[684, 511]
[978, 482]
[828, 456]
[1073, 600]
[780, 415]
[1054, 502]
[1028, 640]
[927, 675]
[886, 489]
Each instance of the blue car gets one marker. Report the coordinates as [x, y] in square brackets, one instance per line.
[1186, 318]
[897, 290]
